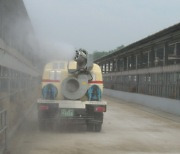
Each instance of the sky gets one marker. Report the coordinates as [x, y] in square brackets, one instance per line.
[100, 25]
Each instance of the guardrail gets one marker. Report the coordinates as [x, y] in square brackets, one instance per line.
[158, 103]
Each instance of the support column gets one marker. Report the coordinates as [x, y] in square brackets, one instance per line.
[141, 60]
[165, 58]
[152, 57]
[105, 67]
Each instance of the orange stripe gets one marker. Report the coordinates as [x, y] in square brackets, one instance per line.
[47, 80]
[98, 82]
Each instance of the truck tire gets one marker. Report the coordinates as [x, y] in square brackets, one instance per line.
[98, 127]
[42, 125]
[99, 118]
[90, 127]
[41, 122]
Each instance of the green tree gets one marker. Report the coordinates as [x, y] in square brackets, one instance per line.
[99, 54]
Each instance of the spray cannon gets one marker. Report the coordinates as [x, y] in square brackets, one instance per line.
[84, 61]
[81, 56]
[76, 85]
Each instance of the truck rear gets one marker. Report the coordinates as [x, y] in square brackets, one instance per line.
[72, 91]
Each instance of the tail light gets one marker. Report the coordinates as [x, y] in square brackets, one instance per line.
[100, 109]
[43, 107]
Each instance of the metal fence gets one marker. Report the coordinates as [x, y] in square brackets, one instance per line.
[3, 131]
[165, 84]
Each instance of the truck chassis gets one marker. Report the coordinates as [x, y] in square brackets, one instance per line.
[90, 112]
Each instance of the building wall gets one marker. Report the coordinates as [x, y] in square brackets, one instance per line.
[19, 62]
[150, 66]
[16, 29]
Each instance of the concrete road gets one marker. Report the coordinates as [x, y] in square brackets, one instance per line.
[127, 129]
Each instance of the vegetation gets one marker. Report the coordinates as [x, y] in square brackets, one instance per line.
[99, 54]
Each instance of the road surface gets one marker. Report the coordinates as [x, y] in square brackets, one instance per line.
[127, 129]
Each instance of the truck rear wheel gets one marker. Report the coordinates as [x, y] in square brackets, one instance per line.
[98, 117]
[41, 122]
[96, 123]
[90, 127]
[98, 127]
[42, 125]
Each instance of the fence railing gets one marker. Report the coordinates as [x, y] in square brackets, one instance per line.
[3, 131]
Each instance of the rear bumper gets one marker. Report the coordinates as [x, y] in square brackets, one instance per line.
[71, 104]
[81, 110]
[56, 113]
